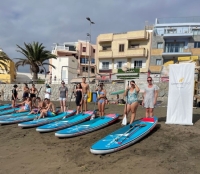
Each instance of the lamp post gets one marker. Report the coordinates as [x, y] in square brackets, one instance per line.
[91, 22]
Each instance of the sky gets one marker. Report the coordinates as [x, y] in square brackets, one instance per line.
[51, 21]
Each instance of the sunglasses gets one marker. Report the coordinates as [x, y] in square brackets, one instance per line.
[149, 80]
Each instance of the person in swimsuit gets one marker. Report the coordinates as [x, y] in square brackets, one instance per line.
[33, 92]
[79, 97]
[132, 100]
[101, 99]
[14, 96]
[40, 106]
[63, 96]
[26, 92]
[150, 97]
[27, 105]
[86, 90]
[49, 110]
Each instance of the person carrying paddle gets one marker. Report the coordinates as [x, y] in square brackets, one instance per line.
[79, 97]
[49, 110]
[132, 100]
[150, 97]
[101, 99]
[86, 90]
[14, 95]
[27, 105]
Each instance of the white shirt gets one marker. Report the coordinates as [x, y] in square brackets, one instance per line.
[48, 93]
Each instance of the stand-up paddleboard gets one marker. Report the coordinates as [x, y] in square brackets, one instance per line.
[64, 123]
[124, 136]
[8, 111]
[5, 106]
[18, 114]
[88, 126]
[47, 120]
[117, 92]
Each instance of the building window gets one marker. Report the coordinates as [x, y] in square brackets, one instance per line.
[119, 65]
[158, 61]
[84, 49]
[108, 47]
[94, 50]
[196, 31]
[105, 65]
[138, 64]
[93, 61]
[159, 45]
[134, 46]
[121, 47]
[84, 60]
[196, 44]
[92, 70]
[85, 69]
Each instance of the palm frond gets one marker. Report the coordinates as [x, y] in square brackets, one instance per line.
[49, 65]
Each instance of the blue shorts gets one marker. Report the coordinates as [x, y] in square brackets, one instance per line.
[101, 101]
[50, 114]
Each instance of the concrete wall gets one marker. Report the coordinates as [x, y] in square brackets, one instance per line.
[5, 90]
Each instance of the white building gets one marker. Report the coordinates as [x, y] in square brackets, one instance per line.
[66, 69]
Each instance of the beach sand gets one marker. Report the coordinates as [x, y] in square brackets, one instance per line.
[169, 149]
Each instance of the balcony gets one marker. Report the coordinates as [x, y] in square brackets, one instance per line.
[177, 32]
[137, 52]
[65, 49]
[137, 35]
[105, 37]
[105, 54]
[176, 51]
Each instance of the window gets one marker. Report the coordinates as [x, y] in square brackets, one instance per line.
[138, 64]
[107, 47]
[94, 50]
[92, 70]
[85, 69]
[84, 49]
[197, 45]
[159, 45]
[84, 60]
[196, 31]
[93, 61]
[121, 47]
[119, 65]
[134, 46]
[105, 65]
[158, 61]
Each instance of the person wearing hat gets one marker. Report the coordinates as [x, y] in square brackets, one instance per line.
[47, 91]
[14, 95]
[63, 96]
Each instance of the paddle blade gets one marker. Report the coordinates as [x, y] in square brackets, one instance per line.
[124, 121]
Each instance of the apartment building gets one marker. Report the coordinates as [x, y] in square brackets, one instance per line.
[82, 63]
[129, 49]
[174, 40]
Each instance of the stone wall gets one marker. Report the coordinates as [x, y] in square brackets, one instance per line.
[5, 90]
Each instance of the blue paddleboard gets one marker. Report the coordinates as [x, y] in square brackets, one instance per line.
[4, 106]
[19, 114]
[47, 120]
[88, 126]
[8, 111]
[124, 136]
[64, 123]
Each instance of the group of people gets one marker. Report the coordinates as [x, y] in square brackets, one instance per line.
[81, 91]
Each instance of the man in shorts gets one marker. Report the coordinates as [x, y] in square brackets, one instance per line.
[85, 90]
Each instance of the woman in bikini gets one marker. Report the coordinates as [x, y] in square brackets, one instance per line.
[40, 105]
[33, 92]
[79, 97]
[132, 102]
[26, 92]
[27, 105]
[101, 100]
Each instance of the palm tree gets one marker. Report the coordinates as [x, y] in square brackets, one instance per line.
[36, 56]
[4, 59]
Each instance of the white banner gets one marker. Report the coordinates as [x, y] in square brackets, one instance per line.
[180, 95]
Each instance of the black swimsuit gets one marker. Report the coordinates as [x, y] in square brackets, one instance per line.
[78, 97]
[14, 93]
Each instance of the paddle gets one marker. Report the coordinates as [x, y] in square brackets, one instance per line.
[39, 92]
[131, 133]
[124, 121]
[94, 112]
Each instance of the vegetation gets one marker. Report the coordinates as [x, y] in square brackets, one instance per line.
[36, 57]
[4, 59]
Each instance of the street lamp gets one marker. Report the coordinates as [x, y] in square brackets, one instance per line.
[91, 22]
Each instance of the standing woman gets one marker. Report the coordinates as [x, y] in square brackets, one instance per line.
[101, 98]
[47, 92]
[14, 95]
[150, 97]
[63, 96]
[26, 91]
[79, 98]
[132, 100]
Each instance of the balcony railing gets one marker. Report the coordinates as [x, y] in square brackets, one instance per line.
[136, 52]
[105, 70]
[105, 53]
[194, 19]
[174, 49]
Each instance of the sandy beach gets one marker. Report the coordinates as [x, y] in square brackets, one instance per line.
[169, 149]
